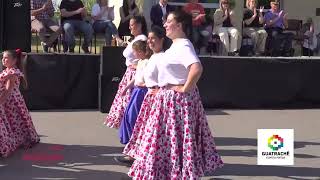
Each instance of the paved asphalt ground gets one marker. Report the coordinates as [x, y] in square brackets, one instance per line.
[76, 146]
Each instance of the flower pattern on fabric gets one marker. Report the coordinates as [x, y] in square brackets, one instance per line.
[16, 124]
[138, 131]
[119, 104]
[177, 142]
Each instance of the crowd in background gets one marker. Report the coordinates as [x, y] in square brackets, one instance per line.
[263, 31]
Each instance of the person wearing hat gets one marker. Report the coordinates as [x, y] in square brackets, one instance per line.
[275, 22]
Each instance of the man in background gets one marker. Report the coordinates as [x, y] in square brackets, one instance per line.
[158, 13]
[42, 13]
[73, 15]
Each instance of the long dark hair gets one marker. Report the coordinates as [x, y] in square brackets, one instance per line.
[20, 63]
[185, 19]
[141, 20]
[127, 6]
[158, 31]
[161, 34]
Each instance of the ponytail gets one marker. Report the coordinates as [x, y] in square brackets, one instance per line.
[20, 63]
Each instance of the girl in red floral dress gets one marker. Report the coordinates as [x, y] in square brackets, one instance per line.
[16, 125]
[177, 142]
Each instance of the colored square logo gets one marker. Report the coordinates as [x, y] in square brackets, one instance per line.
[275, 147]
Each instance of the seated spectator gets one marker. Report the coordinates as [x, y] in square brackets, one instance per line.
[103, 17]
[197, 12]
[215, 47]
[42, 13]
[158, 13]
[278, 42]
[73, 13]
[224, 26]
[253, 26]
[128, 10]
[310, 38]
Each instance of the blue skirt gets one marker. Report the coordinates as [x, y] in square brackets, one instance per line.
[131, 113]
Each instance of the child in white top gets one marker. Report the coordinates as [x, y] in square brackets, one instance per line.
[138, 30]
[156, 39]
[128, 51]
[139, 91]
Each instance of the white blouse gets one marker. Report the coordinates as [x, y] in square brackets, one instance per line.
[151, 70]
[174, 66]
[128, 51]
[106, 16]
[139, 79]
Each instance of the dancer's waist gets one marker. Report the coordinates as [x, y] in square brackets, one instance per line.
[172, 86]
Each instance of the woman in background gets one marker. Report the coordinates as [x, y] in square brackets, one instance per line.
[253, 21]
[310, 39]
[128, 10]
[103, 15]
[224, 26]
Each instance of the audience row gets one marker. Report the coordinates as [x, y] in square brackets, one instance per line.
[264, 29]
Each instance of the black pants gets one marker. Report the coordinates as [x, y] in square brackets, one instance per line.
[278, 42]
[307, 51]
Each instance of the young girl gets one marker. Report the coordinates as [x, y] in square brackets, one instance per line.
[15, 119]
[138, 28]
[156, 39]
[139, 91]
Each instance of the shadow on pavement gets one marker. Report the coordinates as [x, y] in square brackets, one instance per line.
[215, 112]
[232, 141]
[54, 161]
[267, 171]
[85, 162]
[240, 170]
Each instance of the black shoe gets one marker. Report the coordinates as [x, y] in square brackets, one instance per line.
[124, 160]
[231, 53]
[54, 48]
[45, 47]
[71, 50]
[85, 49]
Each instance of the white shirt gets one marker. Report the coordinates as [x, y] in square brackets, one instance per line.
[164, 10]
[173, 68]
[106, 16]
[151, 70]
[310, 42]
[139, 77]
[128, 51]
